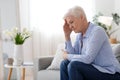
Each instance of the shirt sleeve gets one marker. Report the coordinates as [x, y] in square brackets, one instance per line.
[72, 49]
[96, 40]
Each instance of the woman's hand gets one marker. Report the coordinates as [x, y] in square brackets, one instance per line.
[65, 54]
[67, 30]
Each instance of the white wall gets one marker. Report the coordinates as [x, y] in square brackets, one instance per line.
[8, 20]
[117, 6]
[117, 10]
[1, 66]
[105, 6]
[8, 13]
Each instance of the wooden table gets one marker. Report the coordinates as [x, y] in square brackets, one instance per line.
[18, 68]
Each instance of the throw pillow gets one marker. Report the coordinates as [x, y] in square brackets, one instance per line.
[116, 50]
[55, 65]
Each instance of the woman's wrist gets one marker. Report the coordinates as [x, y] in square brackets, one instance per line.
[67, 38]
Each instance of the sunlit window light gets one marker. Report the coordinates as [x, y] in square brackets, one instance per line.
[47, 15]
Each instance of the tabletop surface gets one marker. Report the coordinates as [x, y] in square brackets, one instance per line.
[26, 64]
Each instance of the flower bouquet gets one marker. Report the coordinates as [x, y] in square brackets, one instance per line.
[18, 37]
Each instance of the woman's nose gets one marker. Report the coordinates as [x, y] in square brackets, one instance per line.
[71, 27]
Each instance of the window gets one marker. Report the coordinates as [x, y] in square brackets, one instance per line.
[47, 15]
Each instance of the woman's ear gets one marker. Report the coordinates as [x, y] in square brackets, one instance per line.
[82, 17]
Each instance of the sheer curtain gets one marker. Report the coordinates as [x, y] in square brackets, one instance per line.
[46, 21]
[1, 57]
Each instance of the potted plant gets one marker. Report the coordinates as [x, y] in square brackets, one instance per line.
[18, 37]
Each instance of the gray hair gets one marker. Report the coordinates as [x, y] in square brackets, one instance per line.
[76, 11]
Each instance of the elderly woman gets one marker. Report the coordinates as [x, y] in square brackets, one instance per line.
[91, 57]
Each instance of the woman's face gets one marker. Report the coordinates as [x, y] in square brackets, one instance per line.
[75, 24]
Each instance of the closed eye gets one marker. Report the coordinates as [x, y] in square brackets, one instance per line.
[71, 22]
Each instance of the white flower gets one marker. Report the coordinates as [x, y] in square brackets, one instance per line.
[18, 36]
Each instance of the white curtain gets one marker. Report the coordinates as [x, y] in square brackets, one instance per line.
[46, 21]
[23, 22]
[1, 58]
[1, 62]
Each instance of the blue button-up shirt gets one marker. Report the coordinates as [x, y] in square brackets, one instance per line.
[96, 50]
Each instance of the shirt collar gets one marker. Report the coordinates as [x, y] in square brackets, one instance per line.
[88, 31]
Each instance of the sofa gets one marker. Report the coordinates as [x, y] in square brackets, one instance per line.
[41, 64]
[41, 72]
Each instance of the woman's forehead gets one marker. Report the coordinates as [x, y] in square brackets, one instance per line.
[70, 18]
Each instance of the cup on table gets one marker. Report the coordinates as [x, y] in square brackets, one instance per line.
[10, 61]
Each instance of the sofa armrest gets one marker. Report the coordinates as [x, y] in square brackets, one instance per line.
[42, 62]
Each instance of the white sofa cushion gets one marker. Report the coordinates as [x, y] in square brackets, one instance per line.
[48, 75]
[57, 58]
[116, 50]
